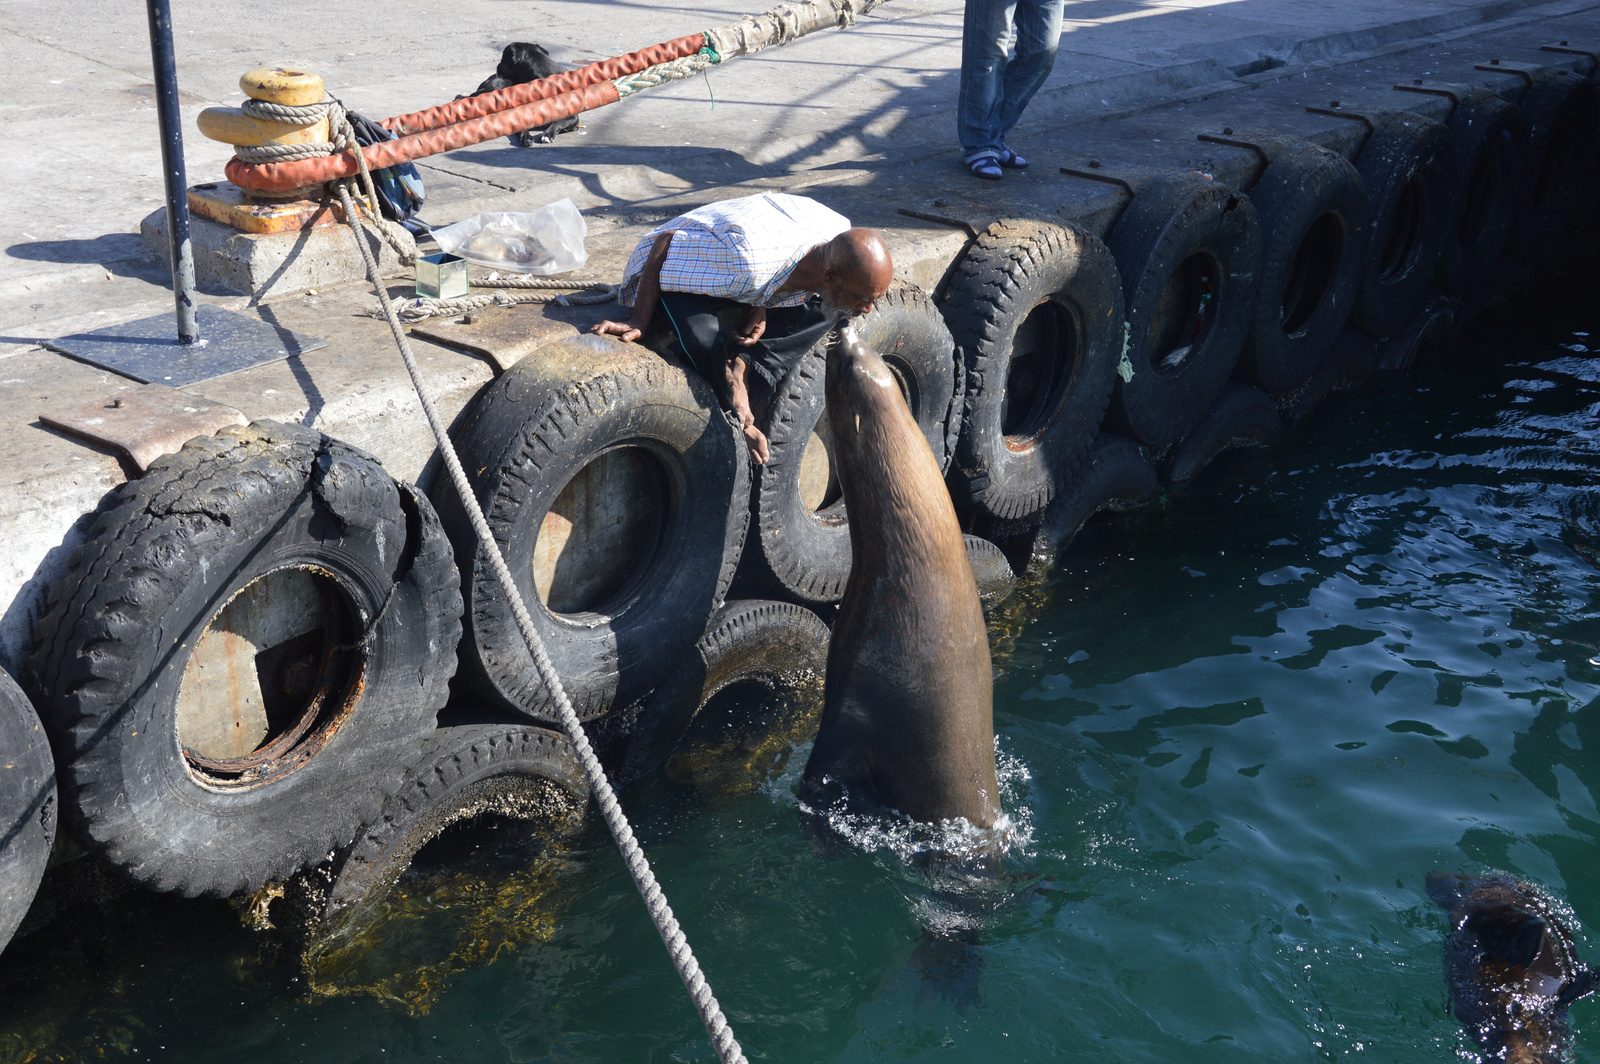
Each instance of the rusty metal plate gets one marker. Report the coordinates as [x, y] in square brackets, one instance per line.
[507, 335]
[225, 202]
[145, 422]
[222, 710]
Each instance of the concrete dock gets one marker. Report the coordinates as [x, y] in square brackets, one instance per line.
[861, 119]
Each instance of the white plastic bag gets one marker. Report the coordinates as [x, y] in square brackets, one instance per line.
[546, 241]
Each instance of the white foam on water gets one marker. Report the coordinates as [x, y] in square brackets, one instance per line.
[956, 839]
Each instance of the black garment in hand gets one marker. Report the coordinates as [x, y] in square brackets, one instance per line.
[704, 327]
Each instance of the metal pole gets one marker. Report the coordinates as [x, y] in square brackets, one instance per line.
[172, 170]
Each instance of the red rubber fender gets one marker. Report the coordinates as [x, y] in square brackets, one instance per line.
[281, 177]
[570, 81]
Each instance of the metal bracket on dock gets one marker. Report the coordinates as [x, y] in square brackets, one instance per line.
[1526, 71]
[1264, 145]
[1235, 142]
[1452, 92]
[145, 422]
[1337, 112]
[941, 219]
[1094, 174]
[1593, 57]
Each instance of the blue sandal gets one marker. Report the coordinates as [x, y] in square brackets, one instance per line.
[1011, 160]
[986, 167]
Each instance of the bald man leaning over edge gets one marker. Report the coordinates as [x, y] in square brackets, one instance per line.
[782, 269]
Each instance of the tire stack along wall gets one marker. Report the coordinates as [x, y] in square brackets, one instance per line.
[1246, 307]
[244, 669]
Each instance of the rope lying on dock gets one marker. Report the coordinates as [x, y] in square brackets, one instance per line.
[412, 309]
[644, 879]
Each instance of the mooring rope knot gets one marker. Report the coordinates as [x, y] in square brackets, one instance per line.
[294, 118]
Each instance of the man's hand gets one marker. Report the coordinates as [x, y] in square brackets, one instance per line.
[626, 331]
[754, 327]
[756, 441]
[754, 438]
[644, 306]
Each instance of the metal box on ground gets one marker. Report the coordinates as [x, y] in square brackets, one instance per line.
[442, 276]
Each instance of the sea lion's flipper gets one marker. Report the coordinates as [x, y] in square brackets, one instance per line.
[1583, 983]
[1508, 934]
[949, 967]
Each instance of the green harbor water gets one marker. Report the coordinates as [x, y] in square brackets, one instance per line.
[1238, 729]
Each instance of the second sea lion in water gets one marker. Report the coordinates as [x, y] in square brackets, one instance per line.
[908, 713]
[1511, 966]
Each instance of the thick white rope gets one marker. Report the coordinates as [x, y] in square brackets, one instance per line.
[678, 69]
[294, 118]
[644, 879]
[785, 23]
[397, 236]
[412, 309]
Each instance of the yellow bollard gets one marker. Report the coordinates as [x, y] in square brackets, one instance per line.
[232, 126]
[293, 88]
[232, 206]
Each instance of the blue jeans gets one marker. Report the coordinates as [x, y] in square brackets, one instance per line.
[994, 91]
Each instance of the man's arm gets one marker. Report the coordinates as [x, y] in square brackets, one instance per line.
[754, 438]
[644, 306]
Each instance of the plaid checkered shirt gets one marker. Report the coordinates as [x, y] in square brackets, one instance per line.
[739, 249]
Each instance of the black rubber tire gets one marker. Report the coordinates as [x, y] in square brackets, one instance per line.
[165, 554]
[1303, 400]
[991, 570]
[748, 641]
[1059, 285]
[1182, 236]
[1243, 416]
[1510, 282]
[1560, 133]
[1489, 192]
[1433, 323]
[463, 771]
[526, 438]
[1116, 476]
[1409, 166]
[1353, 361]
[796, 552]
[28, 806]
[1315, 222]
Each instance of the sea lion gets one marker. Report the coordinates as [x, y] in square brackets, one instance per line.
[908, 704]
[1511, 966]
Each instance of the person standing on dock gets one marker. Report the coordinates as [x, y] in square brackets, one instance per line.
[994, 90]
[751, 284]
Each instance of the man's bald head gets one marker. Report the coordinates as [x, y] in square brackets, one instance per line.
[858, 271]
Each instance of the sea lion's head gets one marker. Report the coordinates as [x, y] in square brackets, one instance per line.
[866, 409]
[1511, 964]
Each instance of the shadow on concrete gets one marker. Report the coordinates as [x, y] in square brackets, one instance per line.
[106, 250]
[296, 363]
[1114, 54]
[119, 254]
